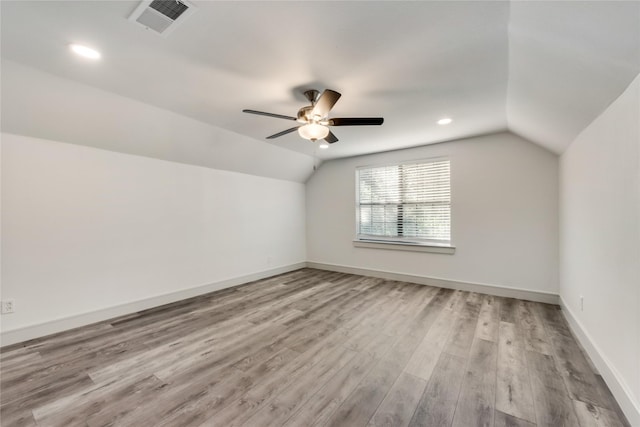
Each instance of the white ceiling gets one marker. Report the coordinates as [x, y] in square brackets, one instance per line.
[543, 70]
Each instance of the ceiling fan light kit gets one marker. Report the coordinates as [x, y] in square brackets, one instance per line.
[313, 131]
[315, 119]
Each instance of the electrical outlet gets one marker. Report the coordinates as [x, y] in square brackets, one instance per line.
[8, 306]
[581, 303]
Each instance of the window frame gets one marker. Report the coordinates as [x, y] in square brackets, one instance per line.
[402, 242]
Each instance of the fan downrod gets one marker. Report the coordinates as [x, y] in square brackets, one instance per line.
[311, 95]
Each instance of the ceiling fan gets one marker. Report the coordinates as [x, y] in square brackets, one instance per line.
[315, 119]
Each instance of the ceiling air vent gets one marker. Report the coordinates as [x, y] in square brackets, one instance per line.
[161, 16]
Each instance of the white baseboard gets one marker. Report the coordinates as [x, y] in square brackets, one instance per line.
[500, 291]
[614, 380]
[25, 333]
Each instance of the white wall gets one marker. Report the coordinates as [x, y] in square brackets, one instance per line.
[600, 240]
[84, 229]
[504, 215]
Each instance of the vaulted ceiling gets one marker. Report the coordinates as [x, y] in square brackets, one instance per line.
[543, 70]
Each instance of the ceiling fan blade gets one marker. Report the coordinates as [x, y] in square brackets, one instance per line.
[325, 103]
[262, 113]
[356, 121]
[331, 138]
[284, 132]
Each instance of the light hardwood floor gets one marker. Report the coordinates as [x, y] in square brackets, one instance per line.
[310, 348]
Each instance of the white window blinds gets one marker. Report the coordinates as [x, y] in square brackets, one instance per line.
[405, 202]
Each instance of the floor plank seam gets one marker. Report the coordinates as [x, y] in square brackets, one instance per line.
[558, 365]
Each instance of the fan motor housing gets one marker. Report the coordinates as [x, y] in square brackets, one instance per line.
[304, 114]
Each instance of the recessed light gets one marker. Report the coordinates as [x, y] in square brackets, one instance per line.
[445, 121]
[85, 51]
[324, 145]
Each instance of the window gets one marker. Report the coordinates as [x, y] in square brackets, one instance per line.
[405, 203]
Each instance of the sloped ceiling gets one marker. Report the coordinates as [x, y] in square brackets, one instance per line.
[567, 62]
[543, 70]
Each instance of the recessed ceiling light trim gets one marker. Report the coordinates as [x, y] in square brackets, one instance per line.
[445, 121]
[84, 51]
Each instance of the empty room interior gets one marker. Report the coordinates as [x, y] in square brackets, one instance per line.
[320, 213]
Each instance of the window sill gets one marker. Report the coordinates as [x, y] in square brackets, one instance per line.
[403, 246]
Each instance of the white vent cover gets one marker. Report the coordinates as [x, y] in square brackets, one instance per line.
[161, 16]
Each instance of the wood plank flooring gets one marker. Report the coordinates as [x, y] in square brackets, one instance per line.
[313, 348]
